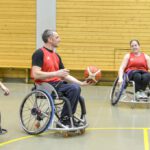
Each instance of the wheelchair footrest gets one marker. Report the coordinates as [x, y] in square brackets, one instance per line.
[2, 131]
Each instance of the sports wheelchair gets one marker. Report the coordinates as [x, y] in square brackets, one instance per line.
[41, 110]
[125, 92]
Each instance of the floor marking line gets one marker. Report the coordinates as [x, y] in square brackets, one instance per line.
[117, 128]
[15, 140]
[22, 138]
[146, 142]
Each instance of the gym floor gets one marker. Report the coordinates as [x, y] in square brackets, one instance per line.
[118, 127]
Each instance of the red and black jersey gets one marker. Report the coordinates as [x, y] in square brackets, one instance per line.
[49, 61]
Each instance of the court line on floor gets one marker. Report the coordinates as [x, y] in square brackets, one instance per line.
[23, 138]
[146, 141]
[145, 132]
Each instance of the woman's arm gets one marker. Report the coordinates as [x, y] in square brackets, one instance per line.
[148, 60]
[122, 67]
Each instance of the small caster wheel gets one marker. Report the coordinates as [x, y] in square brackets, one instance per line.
[66, 134]
[82, 131]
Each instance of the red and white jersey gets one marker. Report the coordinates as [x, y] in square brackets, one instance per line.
[137, 63]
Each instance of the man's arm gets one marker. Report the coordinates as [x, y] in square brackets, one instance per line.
[72, 79]
[37, 73]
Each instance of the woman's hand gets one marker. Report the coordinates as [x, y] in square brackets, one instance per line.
[5, 89]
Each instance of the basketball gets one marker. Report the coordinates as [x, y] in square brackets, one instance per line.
[93, 74]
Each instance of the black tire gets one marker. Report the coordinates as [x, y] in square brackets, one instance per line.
[117, 90]
[36, 112]
[80, 113]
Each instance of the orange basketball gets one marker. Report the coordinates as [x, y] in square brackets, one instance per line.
[93, 74]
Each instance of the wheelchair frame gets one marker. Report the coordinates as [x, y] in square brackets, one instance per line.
[125, 93]
[40, 110]
[2, 131]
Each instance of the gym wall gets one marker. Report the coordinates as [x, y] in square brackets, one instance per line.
[93, 32]
[17, 36]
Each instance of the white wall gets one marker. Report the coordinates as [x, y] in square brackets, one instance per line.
[46, 18]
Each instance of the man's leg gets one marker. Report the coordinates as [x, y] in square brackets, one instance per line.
[72, 92]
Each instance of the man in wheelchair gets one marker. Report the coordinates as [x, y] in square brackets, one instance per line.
[47, 67]
[136, 64]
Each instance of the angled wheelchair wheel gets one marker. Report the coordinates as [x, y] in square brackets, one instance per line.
[80, 113]
[59, 103]
[117, 90]
[36, 112]
[78, 117]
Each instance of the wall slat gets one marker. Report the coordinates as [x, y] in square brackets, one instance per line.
[17, 32]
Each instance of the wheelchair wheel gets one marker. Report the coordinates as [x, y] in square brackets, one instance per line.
[117, 90]
[36, 112]
[80, 113]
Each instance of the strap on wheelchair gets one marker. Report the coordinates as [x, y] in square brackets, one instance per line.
[57, 85]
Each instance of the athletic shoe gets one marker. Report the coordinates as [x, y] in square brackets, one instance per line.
[144, 96]
[138, 95]
[65, 120]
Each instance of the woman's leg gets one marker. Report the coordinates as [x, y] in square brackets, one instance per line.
[136, 77]
[145, 80]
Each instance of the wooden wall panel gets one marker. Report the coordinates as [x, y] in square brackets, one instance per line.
[91, 30]
[17, 32]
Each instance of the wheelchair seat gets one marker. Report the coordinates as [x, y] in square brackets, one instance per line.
[41, 110]
[125, 92]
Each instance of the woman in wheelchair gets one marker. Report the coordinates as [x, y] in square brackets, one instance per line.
[47, 67]
[136, 64]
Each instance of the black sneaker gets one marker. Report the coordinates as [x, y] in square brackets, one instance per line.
[76, 123]
[65, 120]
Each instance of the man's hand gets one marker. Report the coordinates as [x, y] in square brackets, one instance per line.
[62, 73]
[85, 83]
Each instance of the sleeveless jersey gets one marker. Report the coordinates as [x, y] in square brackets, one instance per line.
[50, 63]
[137, 63]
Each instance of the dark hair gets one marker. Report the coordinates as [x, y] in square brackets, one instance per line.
[135, 40]
[46, 34]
